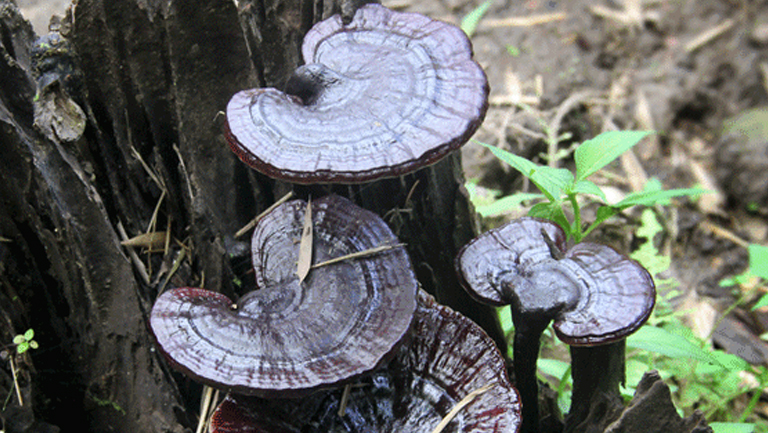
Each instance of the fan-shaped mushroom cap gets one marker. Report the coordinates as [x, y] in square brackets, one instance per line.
[447, 358]
[600, 295]
[382, 96]
[290, 338]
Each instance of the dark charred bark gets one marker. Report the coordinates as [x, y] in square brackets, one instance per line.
[153, 74]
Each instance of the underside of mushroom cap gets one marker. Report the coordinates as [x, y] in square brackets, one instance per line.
[594, 294]
[447, 358]
[382, 96]
[290, 338]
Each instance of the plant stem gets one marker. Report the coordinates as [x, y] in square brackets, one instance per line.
[576, 226]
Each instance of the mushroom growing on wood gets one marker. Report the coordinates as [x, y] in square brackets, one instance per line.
[594, 295]
[289, 337]
[386, 94]
[447, 358]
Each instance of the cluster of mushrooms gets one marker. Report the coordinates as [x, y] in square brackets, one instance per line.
[350, 343]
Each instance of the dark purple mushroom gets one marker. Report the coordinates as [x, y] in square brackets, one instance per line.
[290, 338]
[384, 95]
[594, 295]
[447, 358]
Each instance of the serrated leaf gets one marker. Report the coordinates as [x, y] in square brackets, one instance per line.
[594, 154]
[29, 335]
[552, 182]
[506, 204]
[588, 187]
[758, 260]
[470, 22]
[655, 197]
[659, 340]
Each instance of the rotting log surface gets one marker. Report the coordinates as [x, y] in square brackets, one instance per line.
[155, 74]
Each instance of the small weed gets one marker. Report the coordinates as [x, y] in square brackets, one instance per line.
[699, 376]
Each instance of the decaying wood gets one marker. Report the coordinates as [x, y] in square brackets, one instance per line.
[155, 73]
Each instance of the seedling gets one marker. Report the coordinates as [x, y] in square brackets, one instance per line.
[561, 188]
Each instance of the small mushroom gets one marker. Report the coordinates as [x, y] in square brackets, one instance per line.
[289, 338]
[594, 295]
[447, 358]
[382, 96]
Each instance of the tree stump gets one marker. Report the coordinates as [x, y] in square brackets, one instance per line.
[150, 77]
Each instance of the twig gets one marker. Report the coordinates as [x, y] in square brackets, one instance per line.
[533, 20]
[140, 268]
[184, 170]
[459, 406]
[724, 233]
[357, 255]
[253, 222]
[708, 35]
[14, 372]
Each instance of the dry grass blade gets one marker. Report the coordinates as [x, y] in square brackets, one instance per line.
[140, 268]
[15, 374]
[357, 255]
[344, 400]
[305, 247]
[460, 405]
[205, 404]
[151, 241]
[528, 21]
[253, 222]
[708, 35]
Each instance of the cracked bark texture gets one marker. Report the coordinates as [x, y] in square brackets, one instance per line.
[155, 73]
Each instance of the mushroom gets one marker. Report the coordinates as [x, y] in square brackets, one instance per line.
[447, 358]
[386, 94]
[594, 295]
[290, 338]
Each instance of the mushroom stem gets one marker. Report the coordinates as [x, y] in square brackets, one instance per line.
[528, 330]
[597, 372]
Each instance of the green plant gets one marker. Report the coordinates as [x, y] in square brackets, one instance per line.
[24, 342]
[699, 375]
[561, 188]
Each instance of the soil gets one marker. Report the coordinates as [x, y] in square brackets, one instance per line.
[679, 67]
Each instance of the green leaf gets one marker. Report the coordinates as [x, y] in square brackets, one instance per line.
[552, 367]
[23, 347]
[507, 203]
[513, 50]
[29, 335]
[19, 339]
[594, 154]
[762, 302]
[659, 340]
[550, 181]
[758, 260]
[588, 187]
[655, 197]
[471, 20]
[732, 427]
[553, 212]
[33, 344]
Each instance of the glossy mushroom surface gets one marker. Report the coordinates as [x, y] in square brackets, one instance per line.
[447, 358]
[597, 294]
[289, 338]
[382, 96]
[594, 295]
